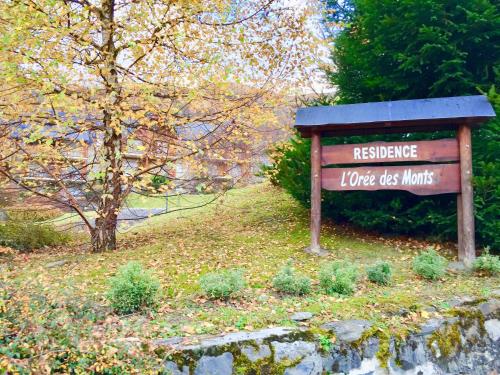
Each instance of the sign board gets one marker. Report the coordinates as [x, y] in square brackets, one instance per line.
[402, 116]
[418, 179]
[383, 152]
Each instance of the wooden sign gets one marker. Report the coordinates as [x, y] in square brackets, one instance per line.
[383, 152]
[417, 179]
[402, 116]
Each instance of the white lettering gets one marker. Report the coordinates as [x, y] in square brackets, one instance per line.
[390, 152]
[342, 180]
[372, 152]
[390, 178]
[364, 152]
[429, 178]
[385, 152]
[396, 178]
[356, 179]
[352, 182]
[387, 179]
[357, 153]
[406, 151]
[413, 151]
[407, 177]
[418, 178]
[398, 151]
[383, 178]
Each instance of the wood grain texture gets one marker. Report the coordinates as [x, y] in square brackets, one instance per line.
[427, 179]
[460, 228]
[315, 191]
[433, 151]
[466, 232]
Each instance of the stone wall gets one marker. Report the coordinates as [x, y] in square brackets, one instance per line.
[466, 341]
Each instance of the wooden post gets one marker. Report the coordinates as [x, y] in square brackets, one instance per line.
[467, 248]
[461, 253]
[315, 247]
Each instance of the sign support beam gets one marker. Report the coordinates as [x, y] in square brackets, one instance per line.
[315, 247]
[461, 248]
[465, 203]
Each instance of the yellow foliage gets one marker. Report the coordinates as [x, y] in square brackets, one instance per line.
[94, 76]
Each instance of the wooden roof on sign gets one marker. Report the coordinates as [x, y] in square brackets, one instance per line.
[401, 116]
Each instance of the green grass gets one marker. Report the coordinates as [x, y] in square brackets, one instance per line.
[179, 206]
[174, 202]
[258, 228]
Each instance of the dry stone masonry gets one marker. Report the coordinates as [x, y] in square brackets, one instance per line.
[466, 341]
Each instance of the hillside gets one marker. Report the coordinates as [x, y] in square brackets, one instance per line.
[258, 229]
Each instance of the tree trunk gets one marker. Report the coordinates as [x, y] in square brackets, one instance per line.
[104, 234]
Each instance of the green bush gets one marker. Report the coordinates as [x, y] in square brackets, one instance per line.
[430, 265]
[487, 263]
[222, 284]
[132, 289]
[288, 281]
[338, 278]
[26, 236]
[380, 273]
[158, 181]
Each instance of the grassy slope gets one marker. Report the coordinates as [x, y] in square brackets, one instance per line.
[174, 202]
[177, 206]
[257, 228]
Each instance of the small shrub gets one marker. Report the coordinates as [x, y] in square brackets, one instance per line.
[37, 216]
[158, 181]
[241, 322]
[132, 289]
[430, 265]
[325, 343]
[222, 284]
[288, 281]
[487, 263]
[26, 235]
[338, 277]
[380, 273]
